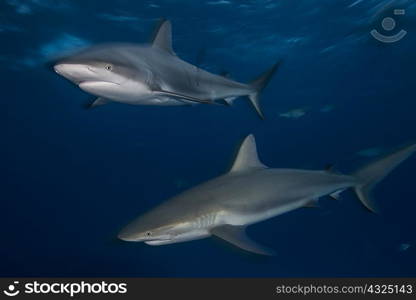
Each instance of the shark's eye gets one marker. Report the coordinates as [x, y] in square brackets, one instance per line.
[108, 67]
[148, 233]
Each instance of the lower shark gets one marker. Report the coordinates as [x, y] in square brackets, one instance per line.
[250, 193]
[152, 74]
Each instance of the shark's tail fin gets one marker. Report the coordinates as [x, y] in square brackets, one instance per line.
[259, 84]
[374, 172]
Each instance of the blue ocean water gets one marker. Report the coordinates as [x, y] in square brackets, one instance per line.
[71, 178]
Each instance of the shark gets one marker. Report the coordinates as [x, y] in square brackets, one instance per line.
[250, 192]
[152, 74]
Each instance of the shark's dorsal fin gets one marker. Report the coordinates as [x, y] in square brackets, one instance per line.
[247, 157]
[163, 37]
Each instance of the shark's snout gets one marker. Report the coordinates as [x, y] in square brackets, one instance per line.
[126, 237]
[130, 235]
[75, 72]
[58, 69]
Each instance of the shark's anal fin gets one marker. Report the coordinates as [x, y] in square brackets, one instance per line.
[230, 100]
[97, 102]
[237, 236]
[247, 158]
[336, 195]
[163, 37]
[181, 96]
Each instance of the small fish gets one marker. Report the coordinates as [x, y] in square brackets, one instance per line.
[181, 183]
[371, 152]
[403, 247]
[326, 108]
[294, 113]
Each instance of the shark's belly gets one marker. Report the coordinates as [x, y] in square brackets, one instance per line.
[154, 101]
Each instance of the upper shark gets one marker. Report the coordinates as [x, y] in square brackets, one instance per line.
[249, 193]
[152, 74]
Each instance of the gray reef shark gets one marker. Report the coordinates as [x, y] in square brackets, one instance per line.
[152, 74]
[249, 193]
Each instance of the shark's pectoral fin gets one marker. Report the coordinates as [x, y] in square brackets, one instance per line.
[237, 236]
[182, 97]
[97, 102]
[163, 37]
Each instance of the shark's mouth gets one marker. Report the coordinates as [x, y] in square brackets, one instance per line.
[94, 83]
[147, 241]
[98, 87]
[178, 238]
[158, 242]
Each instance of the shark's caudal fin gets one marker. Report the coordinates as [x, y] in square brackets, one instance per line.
[259, 84]
[374, 172]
